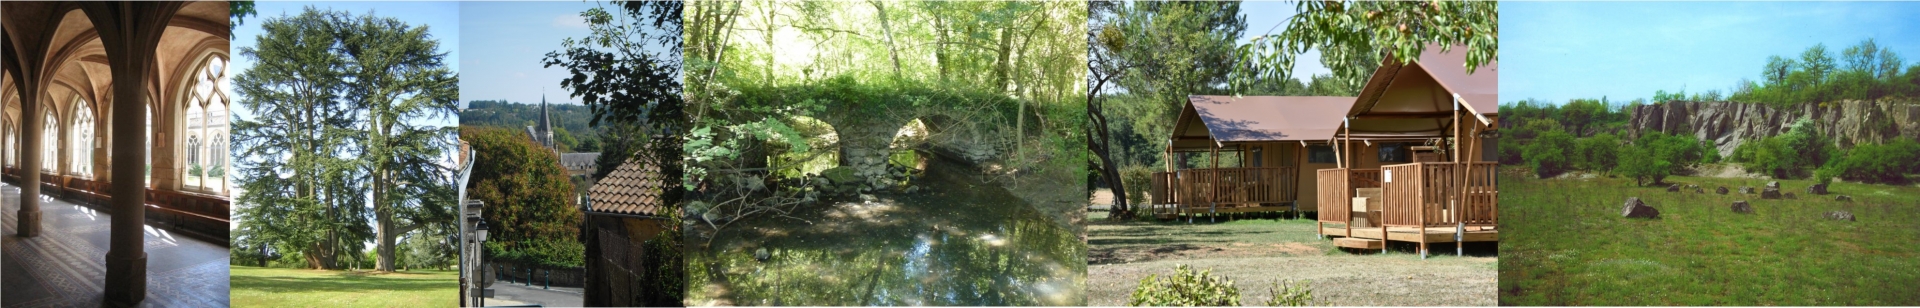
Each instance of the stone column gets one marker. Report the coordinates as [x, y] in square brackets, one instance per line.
[30, 131]
[130, 32]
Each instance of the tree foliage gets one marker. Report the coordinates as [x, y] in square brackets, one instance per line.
[1550, 153]
[1864, 71]
[1795, 154]
[1354, 36]
[336, 98]
[1878, 163]
[530, 210]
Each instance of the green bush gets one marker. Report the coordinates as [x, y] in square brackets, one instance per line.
[1656, 155]
[1288, 294]
[1788, 156]
[1185, 288]
[1640, 164]
[1597, 153]
[1137, 180]
[1548, 153]
[1878, 163]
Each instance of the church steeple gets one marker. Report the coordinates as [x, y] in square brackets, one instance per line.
[546, 121]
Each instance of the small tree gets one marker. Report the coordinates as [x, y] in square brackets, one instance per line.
[1548, 153]
[1639, 164]
[1597, 153]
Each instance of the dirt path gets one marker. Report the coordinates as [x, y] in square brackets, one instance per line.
[1257, 253]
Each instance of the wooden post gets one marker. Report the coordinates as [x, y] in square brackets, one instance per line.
[1213, 185]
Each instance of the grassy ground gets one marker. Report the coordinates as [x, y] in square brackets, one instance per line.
[1256, 252]
[280, 287]
[1567, 245]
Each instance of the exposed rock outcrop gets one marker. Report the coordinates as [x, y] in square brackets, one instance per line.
[1742, 207]
[1728, 124]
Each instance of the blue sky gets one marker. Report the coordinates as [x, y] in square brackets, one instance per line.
[1264, 16]
[1623, 50]
[509, 40]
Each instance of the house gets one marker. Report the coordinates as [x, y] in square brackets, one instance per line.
[623, 211]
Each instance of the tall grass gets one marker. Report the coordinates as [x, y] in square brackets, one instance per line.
[1565, 243]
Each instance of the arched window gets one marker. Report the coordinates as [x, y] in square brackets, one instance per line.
[8, 152]
[82, 145]
[207, 128]
[50, 147]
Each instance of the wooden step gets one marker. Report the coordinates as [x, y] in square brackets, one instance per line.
[1357, 243]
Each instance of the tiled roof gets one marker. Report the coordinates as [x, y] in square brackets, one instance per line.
[634, 188]
[578, 162]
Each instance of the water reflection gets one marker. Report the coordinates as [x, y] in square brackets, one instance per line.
[966, 242]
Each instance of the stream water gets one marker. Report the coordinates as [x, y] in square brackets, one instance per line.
[960, 241]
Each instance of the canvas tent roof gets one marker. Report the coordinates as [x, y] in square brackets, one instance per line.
[1208, 120]
[1417, 99]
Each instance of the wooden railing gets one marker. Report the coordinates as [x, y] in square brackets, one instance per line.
[1335, 191]
[1224, 186]
[1430, 194]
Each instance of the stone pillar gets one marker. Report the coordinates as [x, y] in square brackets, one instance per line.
[130, 31]
[31, 121]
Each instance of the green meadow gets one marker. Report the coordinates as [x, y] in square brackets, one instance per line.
[1564, 243]
[283, 287]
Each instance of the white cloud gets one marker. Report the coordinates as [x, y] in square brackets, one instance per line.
[570, 21]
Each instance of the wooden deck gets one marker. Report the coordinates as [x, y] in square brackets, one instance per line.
[1423, 203]
[1410, 234]
[1222, 190]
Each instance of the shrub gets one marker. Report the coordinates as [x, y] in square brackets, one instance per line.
[1597, 153]
[1548, 155]
[1640, 164]
[1790, 155]
[1185, 288]
[1286, 293]
[1138, 180]
[1880, 163]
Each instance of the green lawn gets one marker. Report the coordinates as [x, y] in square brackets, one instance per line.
[279, 287]
[1565, 244]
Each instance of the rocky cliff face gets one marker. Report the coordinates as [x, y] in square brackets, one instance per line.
[1728, 124]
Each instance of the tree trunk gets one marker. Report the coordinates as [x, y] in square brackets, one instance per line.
[1102, 144]
[887, 28]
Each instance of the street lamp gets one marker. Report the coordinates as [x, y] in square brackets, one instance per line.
[480, 233]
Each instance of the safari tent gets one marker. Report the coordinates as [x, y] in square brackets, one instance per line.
[1411, 159]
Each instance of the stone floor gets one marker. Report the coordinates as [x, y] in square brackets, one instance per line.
[66, 265]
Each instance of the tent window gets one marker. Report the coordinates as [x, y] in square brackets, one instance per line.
[1320, 154]
[1396, 152]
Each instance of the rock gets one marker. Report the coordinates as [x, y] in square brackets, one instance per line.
[1773, 184]
[1742, 207]
[1697, 190]
[1636, 209]
[1673, 188]
[1725, 125]
[868, 198]
[1817, 189]
[1746, 190]
[1770, 193]
[1722, 190]
[1840, 215]
[1843, 198]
